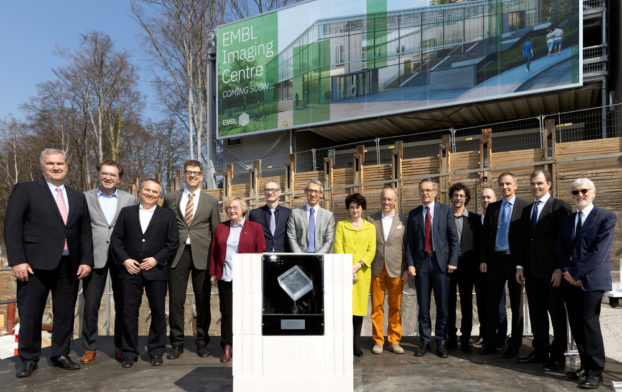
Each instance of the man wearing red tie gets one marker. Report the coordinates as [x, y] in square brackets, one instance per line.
[47, 231]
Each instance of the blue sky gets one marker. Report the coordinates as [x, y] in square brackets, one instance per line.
[31, 29]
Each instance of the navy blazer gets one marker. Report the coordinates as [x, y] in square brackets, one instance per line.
[515, 235]
[34, 231]
[590, 251]
[159, 241]
[278, 242]
[444, 237]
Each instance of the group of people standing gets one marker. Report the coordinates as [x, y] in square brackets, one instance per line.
[56, 236]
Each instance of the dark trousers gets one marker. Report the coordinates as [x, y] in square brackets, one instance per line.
[132, 290]
[584, 319]
[225, 293]
[93, 289]
[32, 297]
[500, 271]
[357, 326]
[502, 322]
[429, 276]
[544, 299]
[178, 284]
[461, 281]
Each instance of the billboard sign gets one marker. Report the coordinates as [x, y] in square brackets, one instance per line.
[327, 61]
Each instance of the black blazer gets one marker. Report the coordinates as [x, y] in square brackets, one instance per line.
[471, 229]
[539, 257]
[444, 237]
[515, 236]
[159, 241]
[278, 242]
[34, 231]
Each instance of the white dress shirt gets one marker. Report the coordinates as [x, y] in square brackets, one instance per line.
[232, 248]
[387, 222]
[145, 216]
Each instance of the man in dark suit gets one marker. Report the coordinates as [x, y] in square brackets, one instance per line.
[197, 218]
[583, 247]
[47, 232]
[144, 242]
[105, 202]
[432, 250]
[488, 197]
[502, 239]
[539, 271]
[273, 218]
[468, 228]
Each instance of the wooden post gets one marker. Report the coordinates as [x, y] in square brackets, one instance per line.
[329, 165]
[443, 168]
[357, 168]
[396, 170]
[485, 156]
[549, 152]
[254, 184]
[290, 173]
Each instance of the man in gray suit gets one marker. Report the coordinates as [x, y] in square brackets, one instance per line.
[197, 218]
[311, 216]
[386, 270]
[104, 203]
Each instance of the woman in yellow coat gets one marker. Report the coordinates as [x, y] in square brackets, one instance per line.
[357, 237]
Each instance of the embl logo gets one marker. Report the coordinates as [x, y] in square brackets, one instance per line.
[243, 119]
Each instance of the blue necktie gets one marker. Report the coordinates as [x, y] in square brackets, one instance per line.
[502, 231]
[534, 215]
[311, 234]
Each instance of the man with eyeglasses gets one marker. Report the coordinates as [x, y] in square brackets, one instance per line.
[105, 202]
[197, 218]
[311, 228]
[583, 247]
[273, 218]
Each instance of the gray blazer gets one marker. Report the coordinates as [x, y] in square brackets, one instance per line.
[391, 252]
[99, 225]
[200, 230]
[298, 225]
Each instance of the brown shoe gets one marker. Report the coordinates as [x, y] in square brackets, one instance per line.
[226, 354]
[88, 357]
[118, 353]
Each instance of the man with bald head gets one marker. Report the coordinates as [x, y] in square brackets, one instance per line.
[386, 269]
[273, 218]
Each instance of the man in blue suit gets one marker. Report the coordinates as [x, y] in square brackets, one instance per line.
[432, 249]
[583, 247]
[273, 218]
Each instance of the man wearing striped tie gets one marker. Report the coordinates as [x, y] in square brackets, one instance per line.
[47, 232]
[197, 218]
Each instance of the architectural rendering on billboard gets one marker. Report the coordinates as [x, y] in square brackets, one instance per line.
[328, 61]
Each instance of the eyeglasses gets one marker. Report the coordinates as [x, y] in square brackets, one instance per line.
[583, 191]
[271, 190]
[192, 173]
[313, 191]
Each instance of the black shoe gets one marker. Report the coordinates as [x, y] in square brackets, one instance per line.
[441, 351]
[511, 352]
[202, 351]
[176, 351]
[156, 360]
[128, 362]
[420, 350]
[533, 357]
[553, 365]
[26, 368]
[487, 350]
[576, 374]
[64, 362]
[466, 348]
[452, 342]
[591, 382]
[358, 353]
